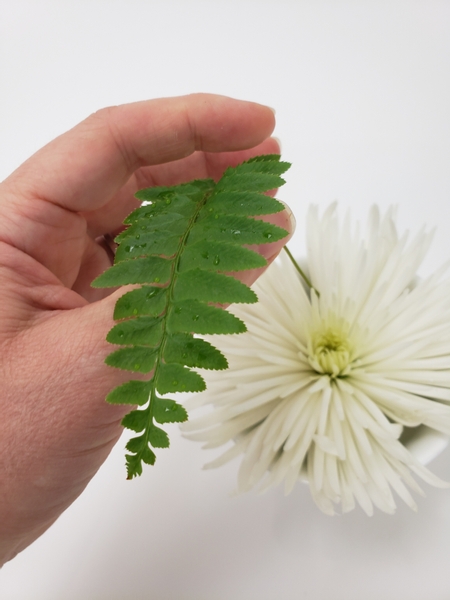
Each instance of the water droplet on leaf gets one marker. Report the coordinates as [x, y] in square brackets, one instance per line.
[195, 317]
[135, 311]
[156, 280]
[267, 235]
[205, 255]
[137, 366]
[138, 235]
[216, 260]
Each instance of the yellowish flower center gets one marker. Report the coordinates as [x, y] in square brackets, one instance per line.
[331, 351]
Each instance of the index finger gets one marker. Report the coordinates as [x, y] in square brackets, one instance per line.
[82, 169]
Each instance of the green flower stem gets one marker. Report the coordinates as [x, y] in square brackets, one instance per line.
[300, 271]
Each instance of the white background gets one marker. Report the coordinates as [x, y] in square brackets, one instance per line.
[362, 93]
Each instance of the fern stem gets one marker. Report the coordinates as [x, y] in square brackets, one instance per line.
[300, 271]
[175, 265]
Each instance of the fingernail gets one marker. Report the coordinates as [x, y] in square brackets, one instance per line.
[272, 109]
[278, 141]
[290, 215]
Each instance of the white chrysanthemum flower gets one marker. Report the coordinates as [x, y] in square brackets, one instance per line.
[322, 385]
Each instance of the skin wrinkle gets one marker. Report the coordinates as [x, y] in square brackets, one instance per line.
[94, 260]
[37, 290]
[14, 210]
[131, 159]
[68, 227]
[192, 128]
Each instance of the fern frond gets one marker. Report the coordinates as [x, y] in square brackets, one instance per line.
[179, 245]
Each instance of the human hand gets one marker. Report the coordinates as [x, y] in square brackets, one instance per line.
[56, 428]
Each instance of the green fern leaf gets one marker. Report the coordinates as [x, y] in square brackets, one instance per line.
[193, 352]
[178, 246]
[168, 411]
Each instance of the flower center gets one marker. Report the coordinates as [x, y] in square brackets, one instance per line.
[330, 351]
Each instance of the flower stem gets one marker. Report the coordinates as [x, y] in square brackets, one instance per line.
[301, 272]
